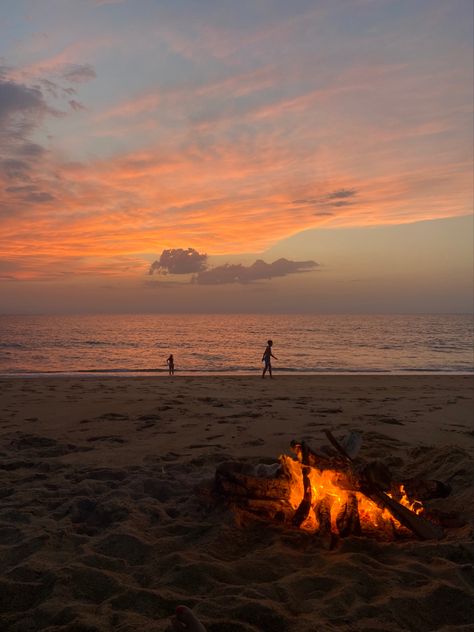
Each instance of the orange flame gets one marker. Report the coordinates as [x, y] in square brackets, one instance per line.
[324, 485]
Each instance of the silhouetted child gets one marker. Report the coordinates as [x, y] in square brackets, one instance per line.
[170, 363]
[267, 358]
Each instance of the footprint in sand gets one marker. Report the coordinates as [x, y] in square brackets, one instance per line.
[146, 426]
[17, 597]
[195, 446]
[125, 547]
[159, 490]
[44, 447]
[144, 602]
[255, 442]
[251, 414]
[101, 513]
[9, 535]
[114, 417]
[22, 551]
[104, 562]
[89, 584]
[108, 438]
[149, 418]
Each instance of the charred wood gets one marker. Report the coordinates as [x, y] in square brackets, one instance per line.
[425, 490]
[348, 520]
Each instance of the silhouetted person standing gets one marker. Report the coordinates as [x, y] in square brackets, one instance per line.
[170, 363]
[267, 358]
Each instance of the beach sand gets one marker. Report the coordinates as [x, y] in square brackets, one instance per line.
[102, 526]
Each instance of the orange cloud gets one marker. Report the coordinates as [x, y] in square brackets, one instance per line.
[231, 160]
[229, 202]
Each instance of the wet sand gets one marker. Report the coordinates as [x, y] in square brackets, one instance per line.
[101, 526]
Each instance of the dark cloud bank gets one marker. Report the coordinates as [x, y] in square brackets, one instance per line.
[23, 109]
[18, 100]
[260, 270]
[190, 261]
[179, 261]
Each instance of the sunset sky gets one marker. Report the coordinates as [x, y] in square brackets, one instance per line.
[152, 151]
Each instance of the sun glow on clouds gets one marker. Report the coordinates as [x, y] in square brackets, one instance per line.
[222, 148]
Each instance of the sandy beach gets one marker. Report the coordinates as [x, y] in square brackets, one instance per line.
[104, 524]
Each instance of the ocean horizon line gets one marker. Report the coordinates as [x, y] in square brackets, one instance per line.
[222, 313]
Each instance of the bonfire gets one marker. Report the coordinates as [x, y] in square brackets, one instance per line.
[332, 493]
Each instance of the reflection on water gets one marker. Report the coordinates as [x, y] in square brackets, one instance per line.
[235, 343]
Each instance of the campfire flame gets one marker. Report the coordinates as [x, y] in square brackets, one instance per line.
[416, 505]
[326, 491]
[332, 495]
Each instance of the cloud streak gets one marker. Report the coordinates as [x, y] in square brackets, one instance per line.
[258, 271]
[78, 73]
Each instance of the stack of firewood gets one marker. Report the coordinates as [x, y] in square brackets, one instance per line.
[267, 492]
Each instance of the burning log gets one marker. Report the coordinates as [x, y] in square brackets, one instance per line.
[323, 516]
[327, 493]
[348, 521]
[424, 529]
[305, 505]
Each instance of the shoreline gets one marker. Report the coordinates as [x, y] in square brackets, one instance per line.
[131, 373]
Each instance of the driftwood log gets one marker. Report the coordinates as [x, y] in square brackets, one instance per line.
[267, 493]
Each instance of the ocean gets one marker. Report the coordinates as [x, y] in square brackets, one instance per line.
[233, 344]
